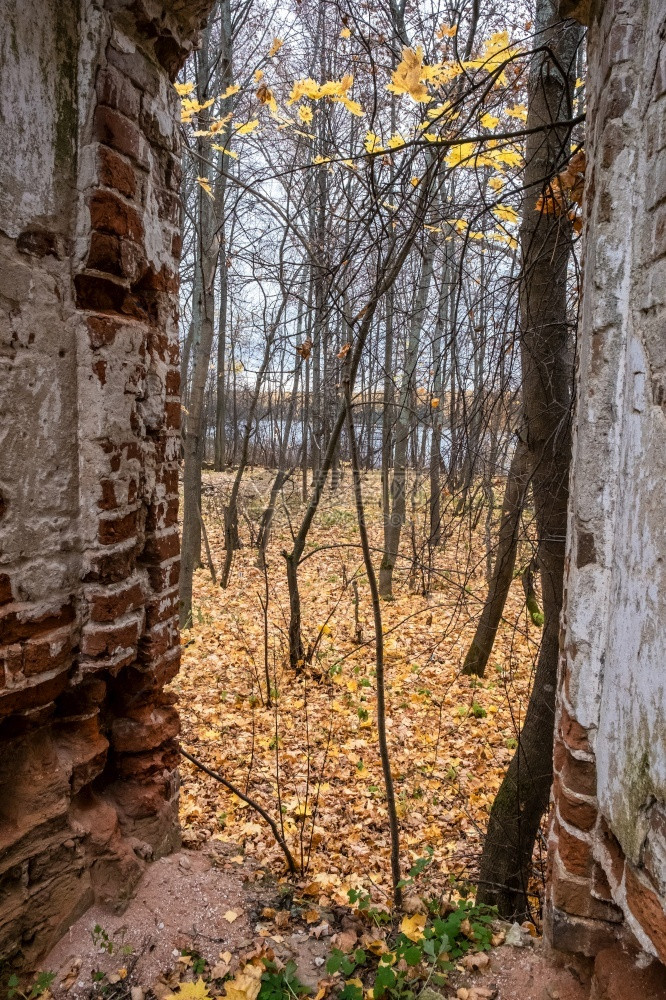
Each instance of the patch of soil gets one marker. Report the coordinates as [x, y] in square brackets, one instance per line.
[526, 973]
[214, 907]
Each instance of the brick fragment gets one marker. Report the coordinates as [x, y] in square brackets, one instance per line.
[648, 909]
[116, 91]
[22, 621]
[98, 640]
[578, 775]
[50, 651]
[113, 602]
[574, 853]
[121, 134]
[115, 172]
[581, 813]
[113, 530]
[573, 734]
[110, 214]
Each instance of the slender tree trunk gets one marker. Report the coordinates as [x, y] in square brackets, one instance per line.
[195, 432]
[546, 358]
[505, 561]
[379, 653]
[405, 409]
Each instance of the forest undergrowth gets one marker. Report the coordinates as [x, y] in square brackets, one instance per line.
[310, 758]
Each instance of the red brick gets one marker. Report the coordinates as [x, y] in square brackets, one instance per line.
[576, 812]
[161, 608]
[99, 368]
[110, 214]
[648, 909]
[34, 695]
[579, 935]
[172, 382]
[120, 133]
[614, 853]
[164, 575]
[5, 589]
[150, 727]
[118, 529]
[100, 294]
[115, 172]
[622, 974]
[161, 547]
[162, 515]
[112, 566]
[600, 887]
[104, 641]
[107, 605]
[157, 641]
[108, 500]
[573, 734]
[48, 652]
[117, 92]
[172, 414]
[167, 476]
[101, 331]
[574, 853]
[23, 621]
[579, 776]
[573, 896]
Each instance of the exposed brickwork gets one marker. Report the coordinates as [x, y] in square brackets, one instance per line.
[89, 484]
[607, 853]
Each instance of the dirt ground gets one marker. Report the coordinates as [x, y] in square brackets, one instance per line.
[208, 905]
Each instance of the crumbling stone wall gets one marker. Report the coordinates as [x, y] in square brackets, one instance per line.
[89, 416]
[608, 838]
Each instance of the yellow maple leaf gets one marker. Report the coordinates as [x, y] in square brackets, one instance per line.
[506, 213]
[372, 143]
[447, 31]
[412, 927]
[191, 991]
[183, 89]
[245, 985]
[489, 121]
[204, 183]
[193, 107]
[248, 127]
[518, 111]
[258, 75]
[410, 76]
[233, 88]
[345, 33]
[496, 183]
[276, 45]
[223, 149]
[461, 153]
[305, 113]
[353, 107]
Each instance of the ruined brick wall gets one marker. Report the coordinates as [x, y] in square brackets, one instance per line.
[608, 839]
[89, 414]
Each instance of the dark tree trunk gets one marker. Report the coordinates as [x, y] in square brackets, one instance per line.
[546, 359]
[505, 561]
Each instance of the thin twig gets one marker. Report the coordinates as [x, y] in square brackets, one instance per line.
[246, 798]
